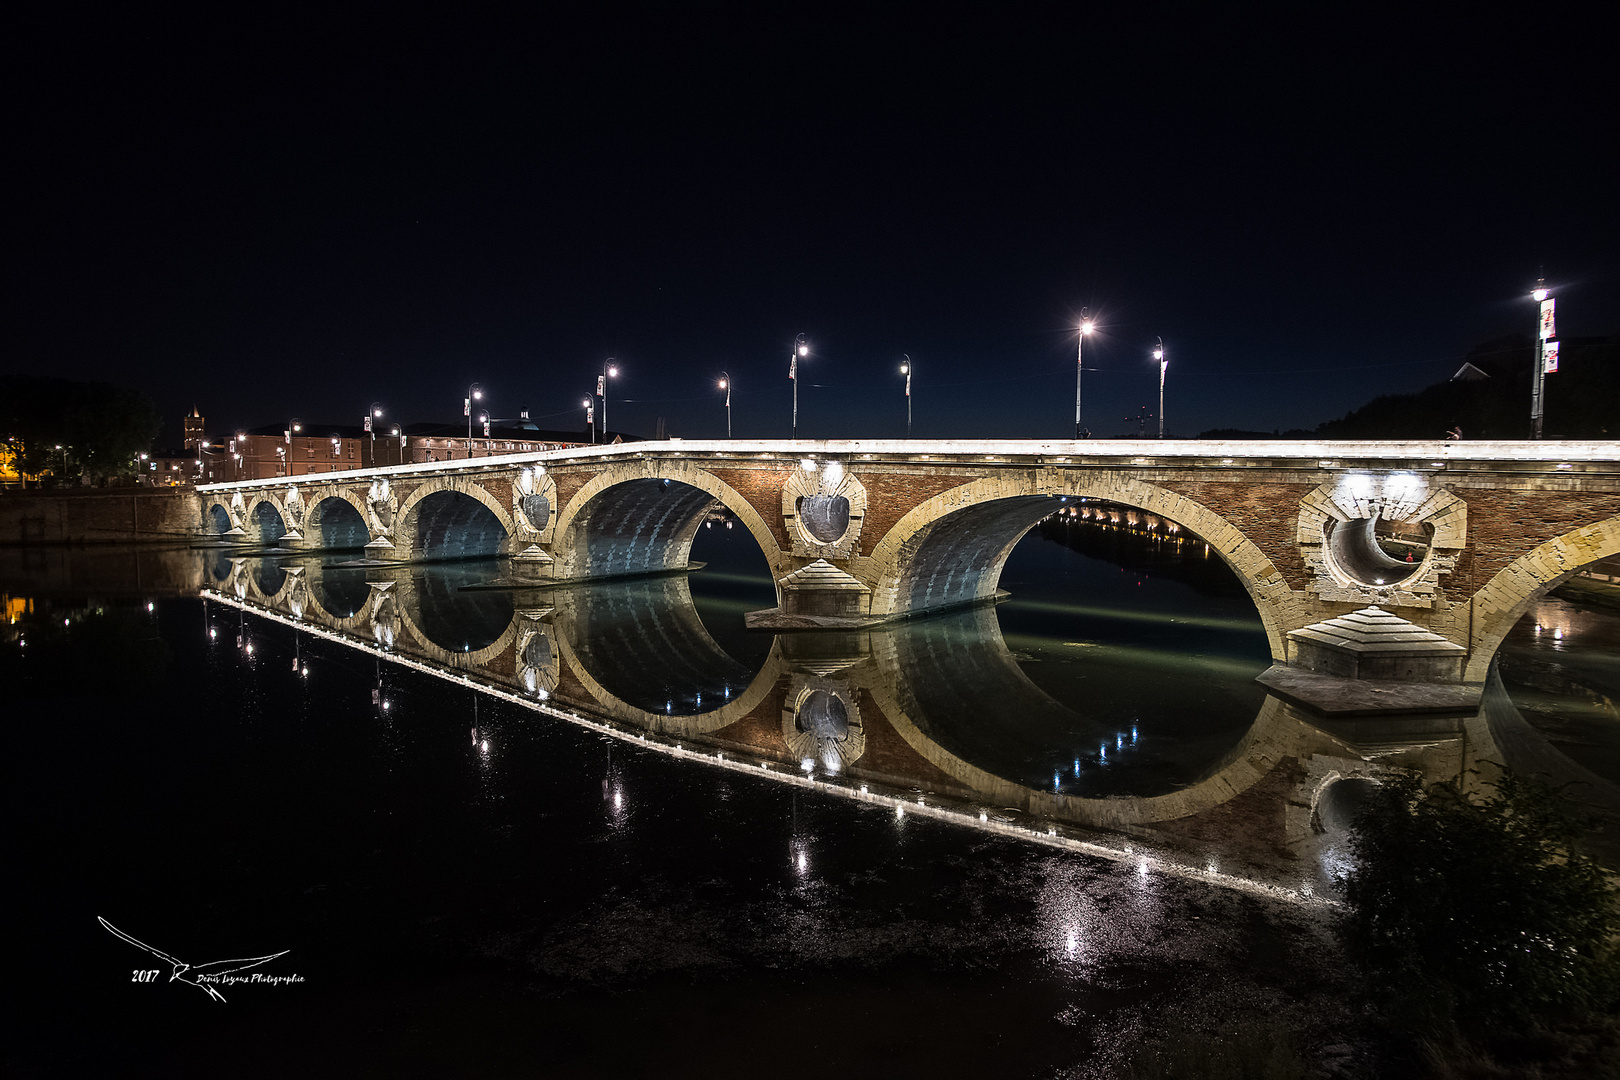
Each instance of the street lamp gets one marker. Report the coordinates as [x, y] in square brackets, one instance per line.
[63, 449]
[1158, 354]
[725, 384]
[608, 372]
[1086, 327]
[590, 417]
[1546, 353]
[801, 347]
[474, 392]
[373, 413]
[905, 369]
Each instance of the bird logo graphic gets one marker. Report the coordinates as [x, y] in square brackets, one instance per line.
[195, 974]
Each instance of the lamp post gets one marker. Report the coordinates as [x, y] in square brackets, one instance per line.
[1086, 327]
[800, 348]
[1158, 354]
[63, 449]
[1545, 329]
[725, 384]
[609, 371]
[373, 413]
[483, 418]
[590, 417]
[905, 369]
[474, 392]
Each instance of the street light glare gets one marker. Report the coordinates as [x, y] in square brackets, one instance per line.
[1087, 326]
[722, 384]
[1158, 354]
[804, 350]
[1540, 295]
[613, 372]
[478, 395]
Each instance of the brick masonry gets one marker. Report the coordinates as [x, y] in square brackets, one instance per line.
[1264, 513]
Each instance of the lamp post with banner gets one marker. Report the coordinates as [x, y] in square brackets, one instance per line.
[905, 369]
[1158, 354]
[1087, 325]
[801, 347]
[1546, 354]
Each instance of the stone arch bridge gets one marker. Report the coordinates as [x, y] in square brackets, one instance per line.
[859, 533]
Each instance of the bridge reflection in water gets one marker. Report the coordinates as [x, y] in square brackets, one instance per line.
[935, 716]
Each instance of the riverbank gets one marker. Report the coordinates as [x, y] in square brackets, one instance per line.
[97, 516]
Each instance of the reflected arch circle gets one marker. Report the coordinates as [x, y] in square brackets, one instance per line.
[765, 681]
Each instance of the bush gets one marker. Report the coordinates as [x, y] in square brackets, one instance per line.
[1479, 914]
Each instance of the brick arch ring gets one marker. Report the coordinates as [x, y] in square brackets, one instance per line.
[405, 516]
[892, 567]
[315, 496]
[1508, 595]
[566, 545]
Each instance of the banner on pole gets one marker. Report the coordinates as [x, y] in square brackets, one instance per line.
[1547, 328]
[1549, 357]
[793, 366]
[368, 422]
[486, 427]
[601, 386]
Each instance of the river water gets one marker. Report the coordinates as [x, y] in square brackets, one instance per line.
[605, 828]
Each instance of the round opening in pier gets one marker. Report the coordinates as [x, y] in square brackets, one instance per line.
[1374, 551]
[824, 517]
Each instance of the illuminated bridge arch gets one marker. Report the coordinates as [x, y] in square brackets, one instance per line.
[951, 549]
[1508, 595]
[444, 519]
[640, 517]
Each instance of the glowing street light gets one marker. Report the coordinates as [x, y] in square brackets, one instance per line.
[474, 393]
[1158, 354]
[609, 371]
[801, 348]
[1086, 327]
[725, 384]
[590, 417]
[905, 369]
[1546, 353]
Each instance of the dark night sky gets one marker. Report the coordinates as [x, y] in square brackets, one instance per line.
[270, 212]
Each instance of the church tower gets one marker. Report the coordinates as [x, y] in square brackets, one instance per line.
[194, 429]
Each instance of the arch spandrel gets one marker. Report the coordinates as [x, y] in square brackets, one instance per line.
[889, 573]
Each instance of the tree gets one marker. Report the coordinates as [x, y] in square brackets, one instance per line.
[1480, 912]
[104, 427]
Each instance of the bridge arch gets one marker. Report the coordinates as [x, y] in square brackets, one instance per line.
[1508, 595]
[216, 518]
[436, 540]
[952, 548]
[639, 517]
[333, 525]
[264, 520]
